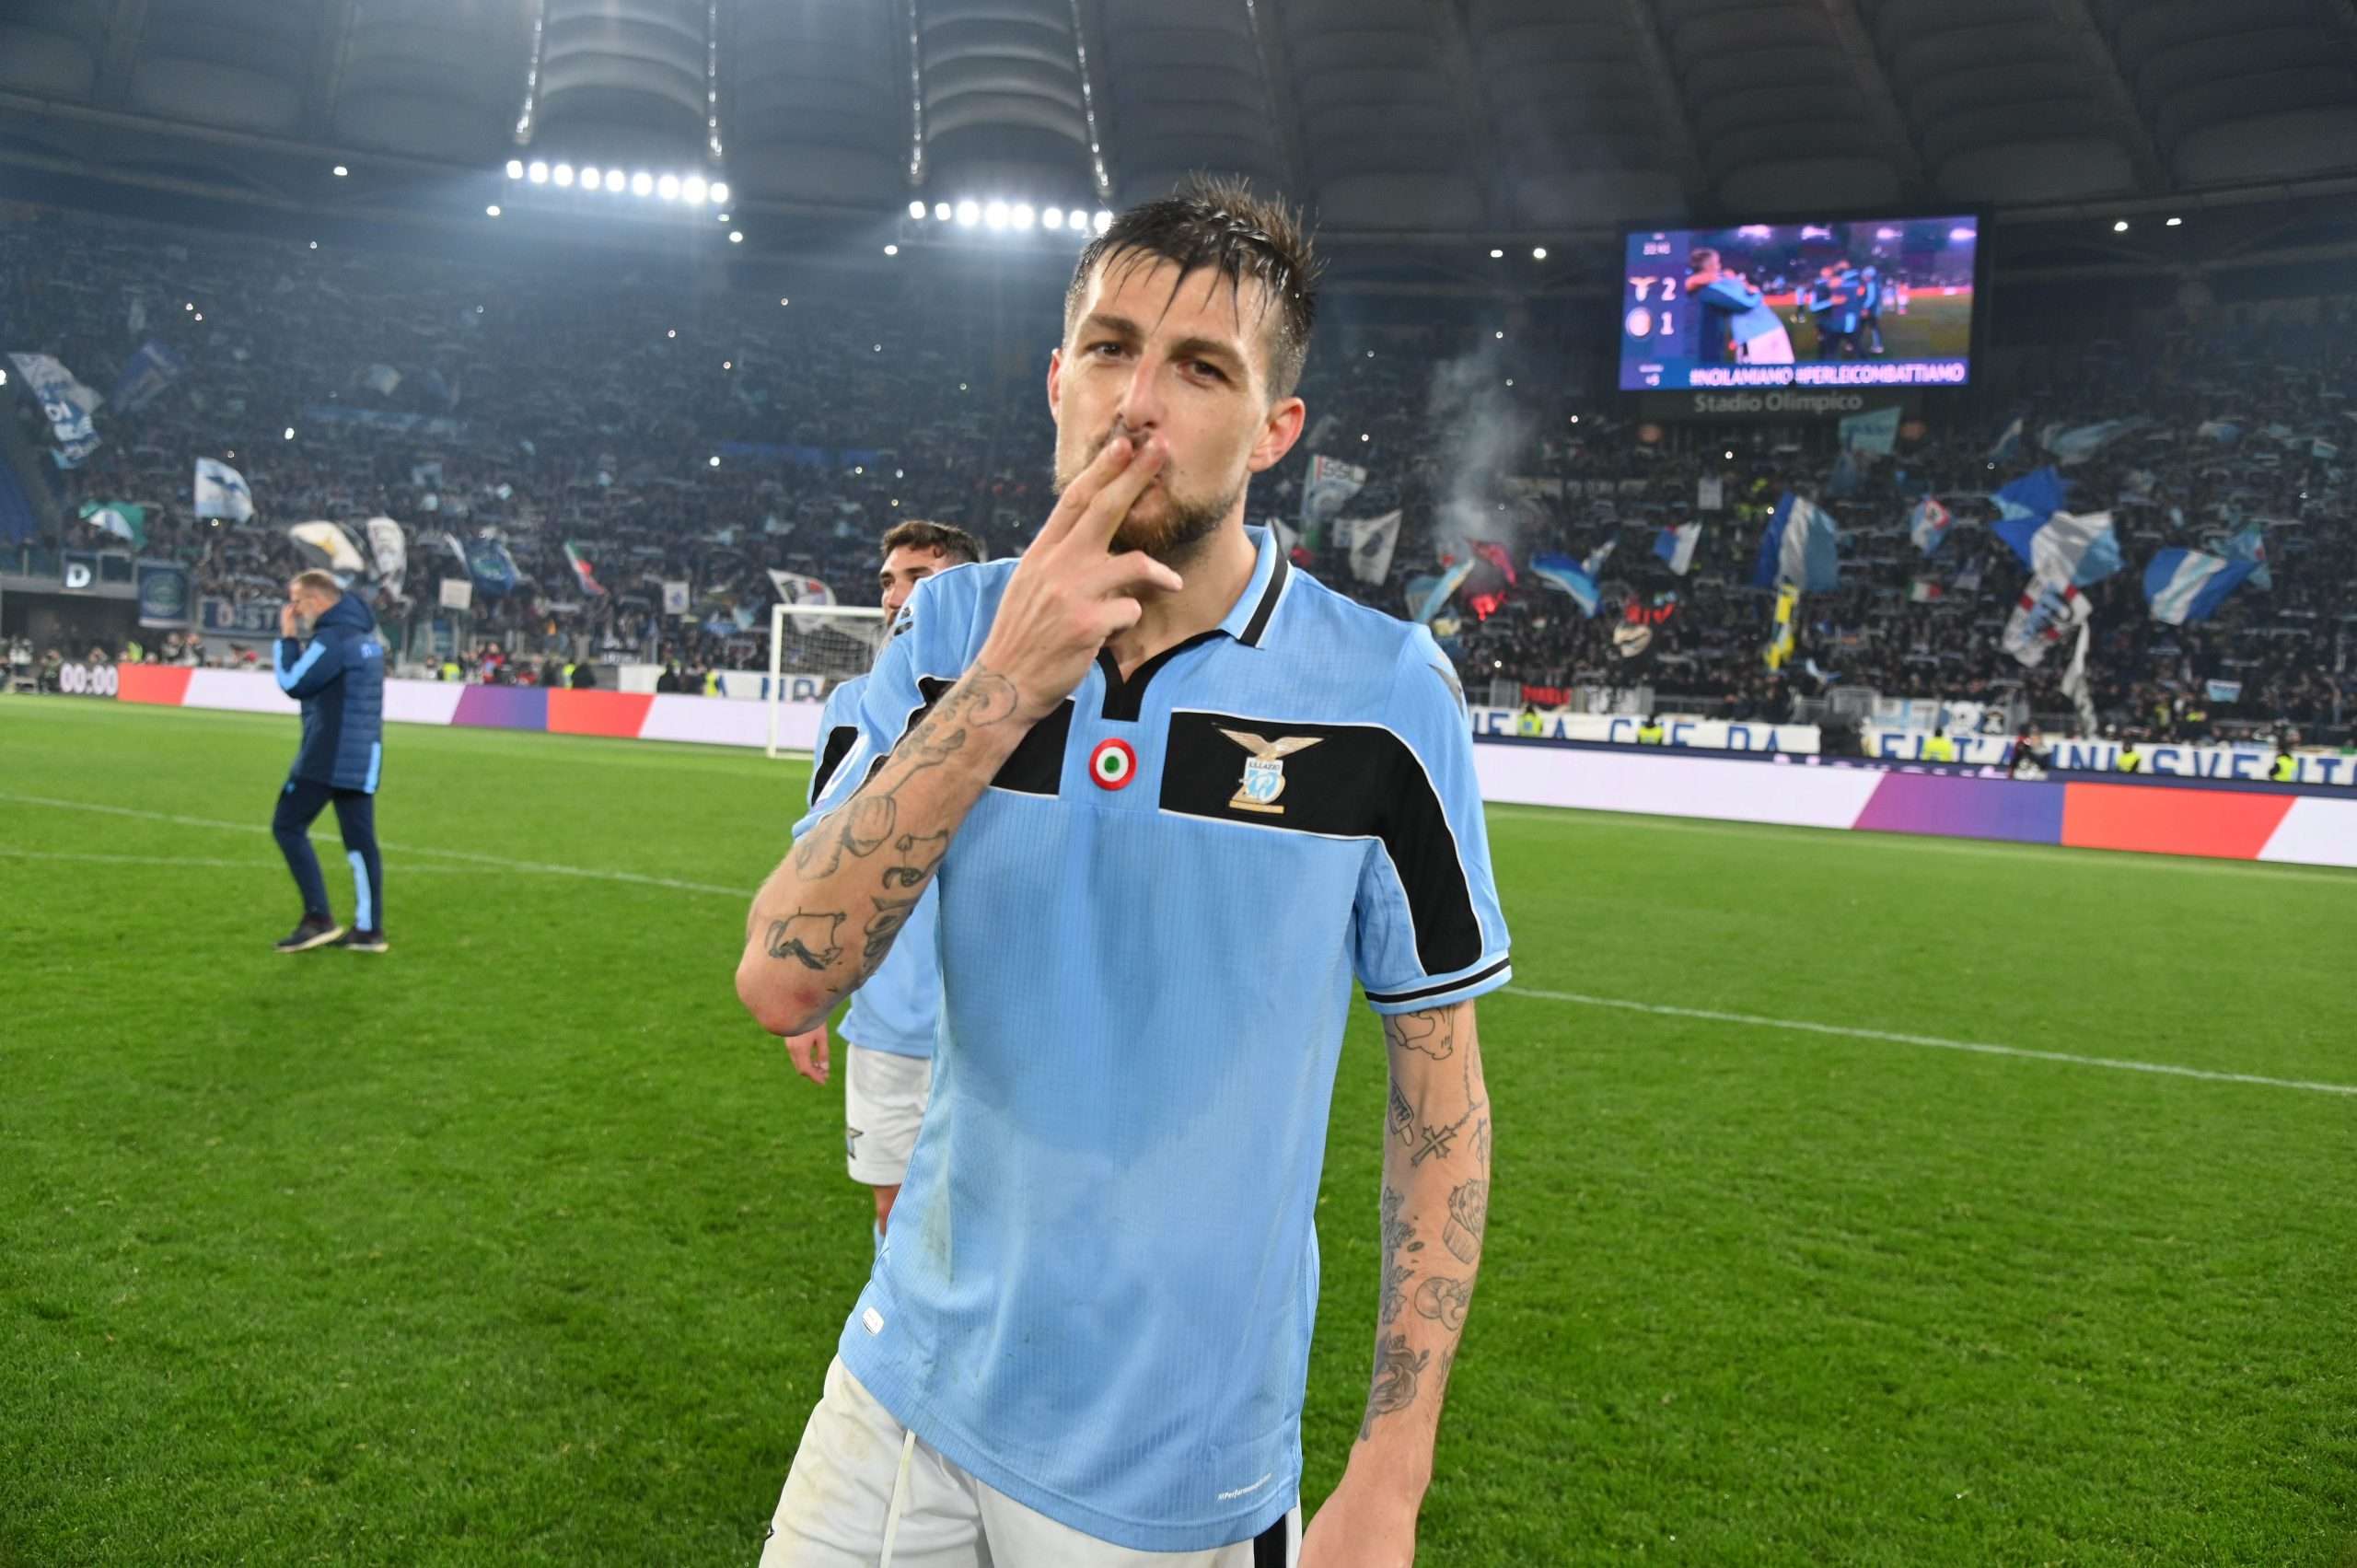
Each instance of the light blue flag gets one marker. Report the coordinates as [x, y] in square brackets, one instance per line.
[1676, 545]
[1566, 575]
[1443, 588]
[2250, 544]
[1801, 548]
[1876, 432]
[2009, 442]
[2077, 446]
[144, 377]
[2188, 586]
[1928, 524]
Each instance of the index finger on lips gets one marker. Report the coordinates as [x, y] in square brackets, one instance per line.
[1103, 519]
[1084, 489]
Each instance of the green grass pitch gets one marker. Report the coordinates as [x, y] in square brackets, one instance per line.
[1936, 325]
[522, 1245]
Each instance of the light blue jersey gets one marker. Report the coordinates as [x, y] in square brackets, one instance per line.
[1099, 1288]
[895, 1010]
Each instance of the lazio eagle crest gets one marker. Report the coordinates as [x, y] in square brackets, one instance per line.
[1264, 770]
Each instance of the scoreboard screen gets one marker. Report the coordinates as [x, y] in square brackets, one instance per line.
[1881, 303]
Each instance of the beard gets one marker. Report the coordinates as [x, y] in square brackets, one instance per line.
[1165, 522]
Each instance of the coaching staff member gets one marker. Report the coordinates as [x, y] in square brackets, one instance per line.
[339, 677]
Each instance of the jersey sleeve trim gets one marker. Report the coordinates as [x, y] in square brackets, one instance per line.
[1445, 992]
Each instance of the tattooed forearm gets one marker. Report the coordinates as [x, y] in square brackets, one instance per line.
[1468, 1218]
[916, 857]
[1436, 1124]
[1433, 1106]
[1398, 1244]
[808, 939]
[865, 824]
[1444, 1301]
[1395, 1371]
[890, 915]
[1435, 1034]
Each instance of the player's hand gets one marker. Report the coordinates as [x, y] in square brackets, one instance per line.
[1069, 594]
[809, 1052]
[289, 624]
[1359, 1527]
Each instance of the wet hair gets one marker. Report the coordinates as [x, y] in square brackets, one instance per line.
[1219, 223]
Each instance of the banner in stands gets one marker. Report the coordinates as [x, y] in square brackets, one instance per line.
[163, 594]
[78, 571]
[2250, 762]
[233, 618]
[1708, 735]
[2263, 823]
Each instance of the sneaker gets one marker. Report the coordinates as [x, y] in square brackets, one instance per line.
[315, 931]
[365, 942]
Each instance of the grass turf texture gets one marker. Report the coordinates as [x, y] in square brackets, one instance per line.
[522, 1245]
[1936, 325]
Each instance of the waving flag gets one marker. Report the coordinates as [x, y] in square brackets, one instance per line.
[2009, 444]
[2188, 586]
[2052, 544]
[2251, 545]
[491, 567]
[1370, 542]
[144, 377]
[1876, 432]
[1441, 587]
[2044, 614]
[582, 571]
[1781, 641]
[2077, 446]
[2064, 549]
[1928, 525]
[2034, 498]
[1328, 489]
[67, 403]
[326, 545]
[121, 518]
[1594, 564]
[1800, 548]
[1676, 545]
[221, 491]
[1565, 575]
[388, 553]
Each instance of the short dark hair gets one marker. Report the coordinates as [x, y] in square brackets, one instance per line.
[1217, 222]
[948, 538]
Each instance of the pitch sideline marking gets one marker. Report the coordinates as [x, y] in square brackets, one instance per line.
[1703, 1015]
[501, 863]
[1891, 1037]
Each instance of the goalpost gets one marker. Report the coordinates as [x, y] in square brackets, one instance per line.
[813, 647]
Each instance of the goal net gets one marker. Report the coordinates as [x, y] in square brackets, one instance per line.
[813, 647]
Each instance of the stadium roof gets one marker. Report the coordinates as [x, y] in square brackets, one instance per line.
[1411, 119]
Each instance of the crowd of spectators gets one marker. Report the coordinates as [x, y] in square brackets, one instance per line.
[680, 431]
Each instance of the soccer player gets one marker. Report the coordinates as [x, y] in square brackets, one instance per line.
[888, 1074]
[1175, 794]
[339, 677]
[1737, 322]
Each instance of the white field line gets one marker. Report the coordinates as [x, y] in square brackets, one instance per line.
[492, 862]
[1888, 1036]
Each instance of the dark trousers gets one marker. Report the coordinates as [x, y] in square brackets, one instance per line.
[355, 816]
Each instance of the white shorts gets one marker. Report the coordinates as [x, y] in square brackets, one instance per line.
[858, 1477]
[883, 1097]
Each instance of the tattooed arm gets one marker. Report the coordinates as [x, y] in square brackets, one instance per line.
[827, 915]
[1434, 1209]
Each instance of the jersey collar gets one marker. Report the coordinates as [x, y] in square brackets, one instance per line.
[1247, 621]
